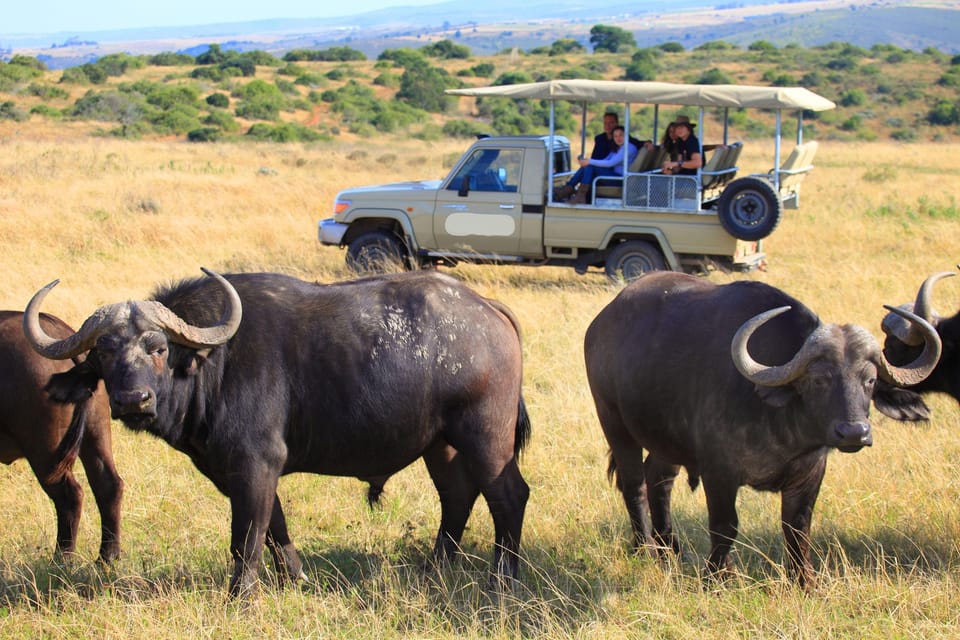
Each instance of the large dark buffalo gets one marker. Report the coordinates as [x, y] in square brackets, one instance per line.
[660, 368]
[353, 379]
[51, 434]
[903, 343]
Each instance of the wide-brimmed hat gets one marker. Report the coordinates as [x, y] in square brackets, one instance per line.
[682, 119]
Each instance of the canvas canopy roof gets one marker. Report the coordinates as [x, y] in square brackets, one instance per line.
[701, 95]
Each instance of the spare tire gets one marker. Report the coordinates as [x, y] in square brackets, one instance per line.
[749, 209]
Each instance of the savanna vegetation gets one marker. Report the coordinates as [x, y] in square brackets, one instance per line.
[112, 213]
[883, 92]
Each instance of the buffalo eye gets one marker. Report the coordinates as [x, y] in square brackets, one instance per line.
[155, 347]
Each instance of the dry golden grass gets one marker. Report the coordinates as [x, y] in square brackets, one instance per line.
[112, 219]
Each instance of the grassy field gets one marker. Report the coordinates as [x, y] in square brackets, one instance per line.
[111, 219]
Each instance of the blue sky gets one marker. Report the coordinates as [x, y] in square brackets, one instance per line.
[54, 16]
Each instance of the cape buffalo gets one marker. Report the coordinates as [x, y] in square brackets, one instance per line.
[903, 343]
[660, 369]
[353, 379]
[51, 434]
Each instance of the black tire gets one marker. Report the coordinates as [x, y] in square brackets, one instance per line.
[749, 209]
[376, 252]
[631, 259]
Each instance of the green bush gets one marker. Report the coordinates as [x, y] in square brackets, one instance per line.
[424, 88]
[311, 79]
[944, 112]
[46, 92]
[171, 59]
[46, 111]
[223, 120]
[713, 76]
[284, 132]
[219, 100]
[671, 47]
[462, 129]
[204, 134]
[564, 46]
[10, 111]
[853, 98]
[108, 106]
[333, 54]
[447, 50]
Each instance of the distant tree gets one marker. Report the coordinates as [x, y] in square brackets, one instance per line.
[564, 46]
[404, 57]
[171, 59]
[642, 67]
[28, 61]
[512, 77]
[213, 55]
[423, 86]
[762, 45]
[671, 47]
[333, 54]
[447, 50]
[612, 39]
[713, 76]
[716, 45]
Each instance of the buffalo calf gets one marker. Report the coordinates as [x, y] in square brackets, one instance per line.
[50, 434]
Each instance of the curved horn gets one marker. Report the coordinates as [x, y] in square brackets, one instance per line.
[73, 345]
[919, 369]
[181, 332]
[764, 375]
[905, 331]
[105, 317]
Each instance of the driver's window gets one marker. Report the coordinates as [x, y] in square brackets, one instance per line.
[491, 170]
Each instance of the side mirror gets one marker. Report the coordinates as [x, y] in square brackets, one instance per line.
[464, 187]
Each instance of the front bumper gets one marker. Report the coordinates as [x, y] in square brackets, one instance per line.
[329, 231]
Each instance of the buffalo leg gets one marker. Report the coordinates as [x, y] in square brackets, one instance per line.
[659, 477]
[722, 514]
[67, 497]
[633, 486]
[253, 488]
[796, 512]
[286, 561]
[458, 492]
[506, 497]
[96, 454]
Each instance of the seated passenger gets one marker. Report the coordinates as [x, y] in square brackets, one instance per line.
[612, 165]
[688, 159]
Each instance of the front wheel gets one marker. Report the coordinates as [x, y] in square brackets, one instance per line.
[376, 252]
[631, 259]
[749, 209]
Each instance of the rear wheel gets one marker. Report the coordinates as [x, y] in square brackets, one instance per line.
[376, 252]
[749, 209]
[631, 259]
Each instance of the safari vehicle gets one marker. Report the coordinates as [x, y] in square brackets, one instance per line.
[496, 205]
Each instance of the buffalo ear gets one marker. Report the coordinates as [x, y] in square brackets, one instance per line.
[73, 386]
[900, 404]
[189, 361]
[779, 396]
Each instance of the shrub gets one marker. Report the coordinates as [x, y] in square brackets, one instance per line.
[46, 111]
[564, 46]
[46, 92]
[204, 134]
[424, 88]
[512, 77]
[853, 98]
[108, 106]
[333, 54]
[447, 50]
[284, 132]
[219, 100]
[671, 47]
[10, 111]
[171, 59]
[223, 120]
[944, 113]
[462, 129]
[713, 76]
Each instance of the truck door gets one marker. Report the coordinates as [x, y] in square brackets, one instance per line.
[479, 209]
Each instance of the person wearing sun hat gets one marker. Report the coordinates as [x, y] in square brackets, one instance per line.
[689, 158]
